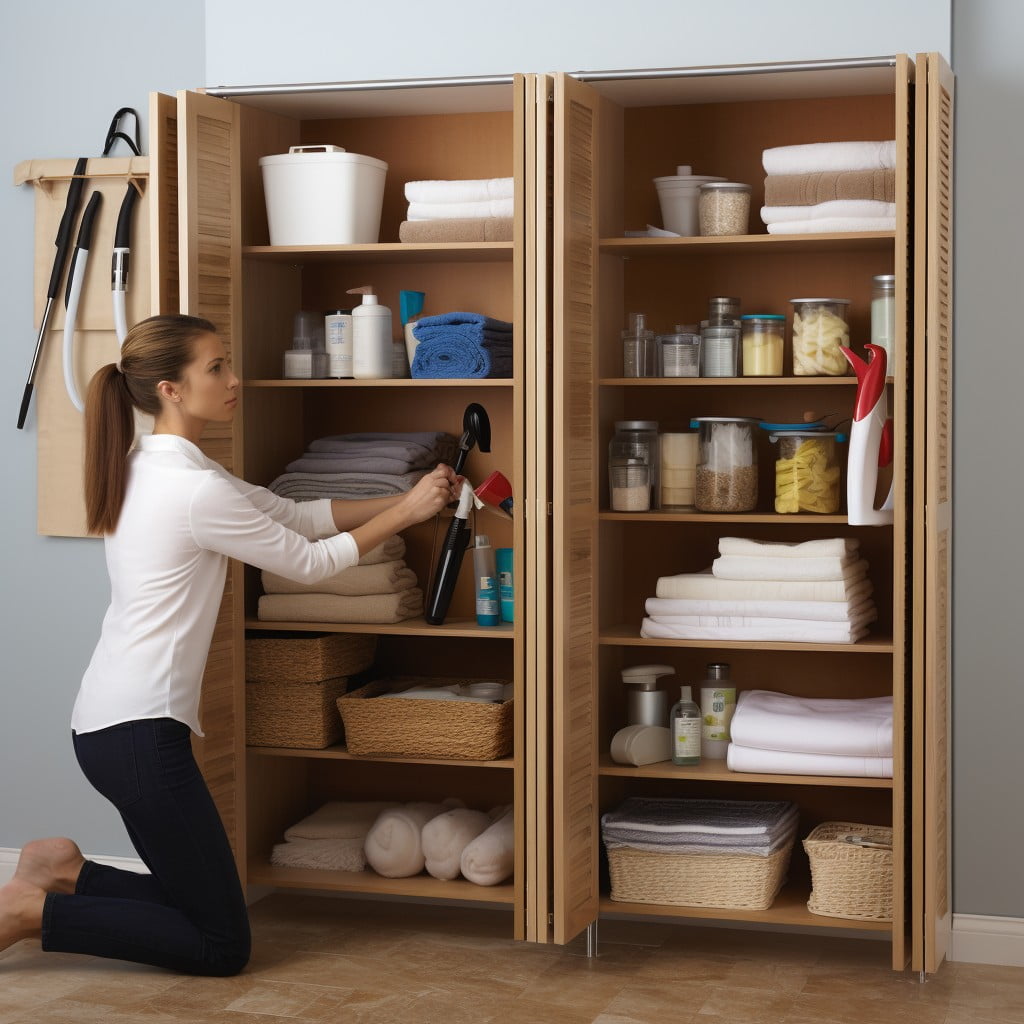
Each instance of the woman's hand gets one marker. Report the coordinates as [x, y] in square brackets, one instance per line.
[431, 494]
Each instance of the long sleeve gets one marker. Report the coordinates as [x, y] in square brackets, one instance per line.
[224, 519]
[312, 519]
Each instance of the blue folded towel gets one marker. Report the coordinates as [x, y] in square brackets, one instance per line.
[457, 319]
[456, 356]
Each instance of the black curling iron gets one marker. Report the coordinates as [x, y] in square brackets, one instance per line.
[476, 429]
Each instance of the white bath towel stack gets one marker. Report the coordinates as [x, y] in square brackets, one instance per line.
[774, 733]
[466, 210]
[857, 211]
[814, 592]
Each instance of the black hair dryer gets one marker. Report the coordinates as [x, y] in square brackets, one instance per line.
[476, 432]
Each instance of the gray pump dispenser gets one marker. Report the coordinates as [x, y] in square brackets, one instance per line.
[646, 704]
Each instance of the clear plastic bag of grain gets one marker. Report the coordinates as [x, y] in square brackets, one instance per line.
[726, 479]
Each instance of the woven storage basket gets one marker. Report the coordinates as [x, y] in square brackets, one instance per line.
[272, 657]
[726, 881]
[852, 882]
[398, 727]
[294, 714]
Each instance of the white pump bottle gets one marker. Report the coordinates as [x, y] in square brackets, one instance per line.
[372, 352]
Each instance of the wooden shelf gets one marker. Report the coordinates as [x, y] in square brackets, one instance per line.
[627, 635]
[772, 518]
[410, 627]
[728, 382]
[384, 252]
[789, 908]
[837, 242]
[716, 771]
[418, 886]
[340, 753]
[395, 382]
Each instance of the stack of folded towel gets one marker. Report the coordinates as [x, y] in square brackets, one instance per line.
[473, 210]
[462, 345]
[358, 466]
[664, 825]
[782, 735]
[830, 186]
[331, 838]
[814, 592]
[380, 589]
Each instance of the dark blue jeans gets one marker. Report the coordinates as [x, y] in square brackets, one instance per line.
[189, 914]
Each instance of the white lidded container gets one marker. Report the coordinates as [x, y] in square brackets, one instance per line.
[372, 352]
[321, 195]
[679, 196]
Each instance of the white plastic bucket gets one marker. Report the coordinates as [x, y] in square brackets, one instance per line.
[321, 195]
[678, 195]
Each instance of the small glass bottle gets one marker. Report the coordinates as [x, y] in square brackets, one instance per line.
[684, 721]
[639, 349]
[883, 314]
[717, 704]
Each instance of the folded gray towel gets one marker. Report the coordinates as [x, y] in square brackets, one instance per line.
[690, 819]
[437, 443]
[328, 462]
[306, 486]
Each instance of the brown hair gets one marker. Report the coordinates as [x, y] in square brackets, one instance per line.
[154, 350]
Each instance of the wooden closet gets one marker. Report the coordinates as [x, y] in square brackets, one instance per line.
[610, 137]
[583, 156]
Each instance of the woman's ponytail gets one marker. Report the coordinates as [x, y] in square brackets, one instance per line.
[109, 433]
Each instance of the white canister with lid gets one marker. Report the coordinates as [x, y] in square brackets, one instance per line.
[679, 195]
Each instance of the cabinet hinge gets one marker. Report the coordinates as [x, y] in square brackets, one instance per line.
[551, 918]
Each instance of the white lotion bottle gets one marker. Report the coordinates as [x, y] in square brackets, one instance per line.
[372, 352]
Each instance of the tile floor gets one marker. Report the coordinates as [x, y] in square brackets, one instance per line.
[320, 959]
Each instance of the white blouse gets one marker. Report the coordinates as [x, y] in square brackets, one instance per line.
[183, 517]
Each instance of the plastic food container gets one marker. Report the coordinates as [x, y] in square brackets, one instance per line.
[726, 478]
[819, 329]
[680, 354]
[633, 465]
[763, 342]
[724, 208]
[679, 197]
[808, 477]
[321, 195]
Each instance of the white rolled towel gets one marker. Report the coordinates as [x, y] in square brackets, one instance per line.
[394, 845]
[446, 836]
[490, 858]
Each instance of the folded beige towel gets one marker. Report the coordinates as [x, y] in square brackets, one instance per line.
[824, 186]
[356, 581]
[339, 819]
[472, 229]
[387, 551]
[320, 854]
[373, 608]
[446, 836]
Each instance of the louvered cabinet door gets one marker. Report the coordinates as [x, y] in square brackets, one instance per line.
[575, 505]
[209, 242]
[163, 200]
[933, 539]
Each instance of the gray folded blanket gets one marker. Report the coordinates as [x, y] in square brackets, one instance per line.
[329, 462]
[435, 442]
[693, 819]
[307, 486]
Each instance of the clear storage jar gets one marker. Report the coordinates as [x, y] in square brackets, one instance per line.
[719, 349]
[820, 327]
[808, 476]
[630, 484]
[724, 208]
[635, 442]
[883, 314]
[726, 477]
[680, 354]
[763, 343]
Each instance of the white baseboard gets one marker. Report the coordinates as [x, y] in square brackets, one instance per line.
[977, 939]
[9, 861]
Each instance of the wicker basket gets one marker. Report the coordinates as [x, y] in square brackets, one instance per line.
[849, 881]
[424, 728]
[301, 715]
[273, 657]
[726, 881]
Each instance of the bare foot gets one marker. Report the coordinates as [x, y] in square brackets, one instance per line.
[21, 912]
[50, 864]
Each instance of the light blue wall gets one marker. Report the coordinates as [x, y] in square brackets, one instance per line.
[64, 69]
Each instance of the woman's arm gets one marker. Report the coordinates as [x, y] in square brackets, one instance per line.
[350, 514]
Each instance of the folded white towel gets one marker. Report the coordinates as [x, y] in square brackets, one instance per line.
[774, 762]
[826, 547]
[833, 208]
[394, 845]
[706, 586]
[865, 615]
[490, 858]
[800, 631]
[741, 567]
[461, 211]
[446, 836]
[339, 819]
[815, 611]
[848, 727]
[465, 190]
[829, 156]
[828, 224]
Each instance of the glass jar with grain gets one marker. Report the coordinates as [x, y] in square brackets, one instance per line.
[724, 208]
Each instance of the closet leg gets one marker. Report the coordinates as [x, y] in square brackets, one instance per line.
[592, 939]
